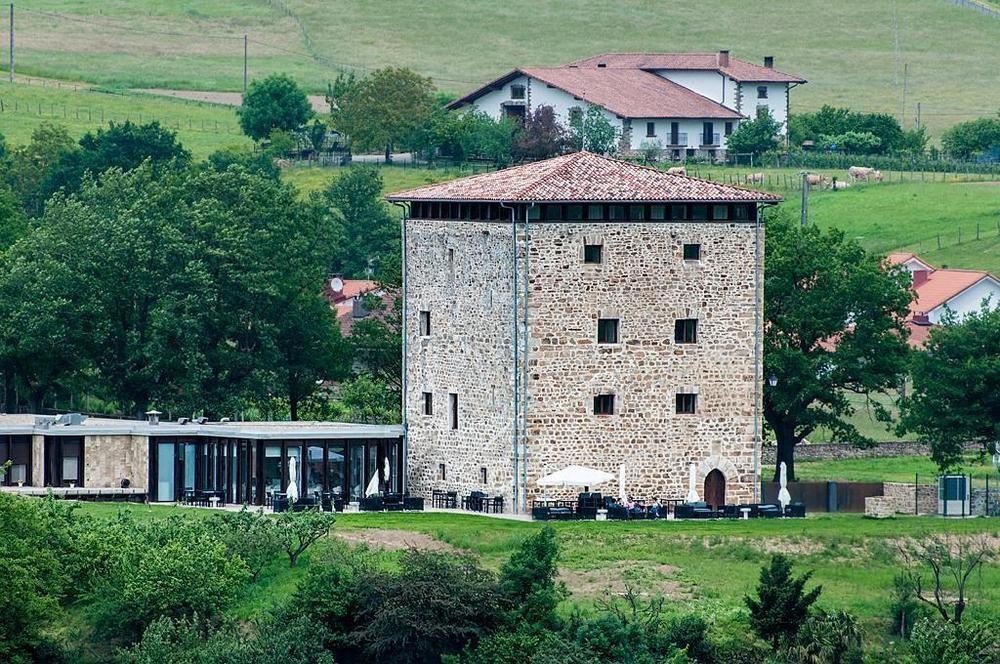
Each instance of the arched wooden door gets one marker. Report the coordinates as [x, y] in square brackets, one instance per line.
[715, 489]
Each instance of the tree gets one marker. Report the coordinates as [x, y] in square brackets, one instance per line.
[854, 142]
[781, 604]
[935, 642]
[592, 131]
[257, 162]
[251, 536]
[300, 530]
[830, 121]
[755, 136]
[834, 324]
[366, 233]
[275, 102]
[952, 562]
[29, 164]
[124, 146]
[541, 136]
[955, 385]
[528, 579]
[382, 110]
[967, 139]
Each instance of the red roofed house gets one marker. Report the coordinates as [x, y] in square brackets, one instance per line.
[582, 311]
[943, 291]
[346, 296]
[685, 103]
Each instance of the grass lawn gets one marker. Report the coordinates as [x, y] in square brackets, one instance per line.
[847, 50]
[892, 469]
[396, 178]
[704, 566]
[202, 128]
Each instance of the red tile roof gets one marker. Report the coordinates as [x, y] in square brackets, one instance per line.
[628, 93]
[942, 285]
[738, 70]
[919, 334]
[900, 258]
[581, 176]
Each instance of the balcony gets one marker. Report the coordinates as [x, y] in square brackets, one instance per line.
[679, 140]
[710, 141]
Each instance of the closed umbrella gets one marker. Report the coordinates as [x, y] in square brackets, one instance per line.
[692, 496]
[783, 496]
[387, 485]
[372, 488]
[293, 488]
[622, 496]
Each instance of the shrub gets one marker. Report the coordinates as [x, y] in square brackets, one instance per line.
[905, 609]
[250, 536]
[853, 142]
[755, 136]
[528, 579]
[690, 633]
[935, 642]
[781, 604]
[541, 136]
[297, 531]
[829, 638]
[525, 646]
[967, 139]
[437, 604]
[273, 103]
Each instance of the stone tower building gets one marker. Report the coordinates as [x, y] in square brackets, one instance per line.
[582, 310]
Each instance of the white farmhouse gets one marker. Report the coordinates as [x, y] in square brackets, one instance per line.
[685, 103]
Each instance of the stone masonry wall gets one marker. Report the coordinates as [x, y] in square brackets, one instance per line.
[645, 283]
[461, 273]
[109, 459]
[832, 451]
[900, 497]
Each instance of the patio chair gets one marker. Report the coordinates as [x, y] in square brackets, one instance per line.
[769, 511]
[392, 502]
[279, 503]
[795, 510]
[617, 512]
[371, 504]
[413, 503]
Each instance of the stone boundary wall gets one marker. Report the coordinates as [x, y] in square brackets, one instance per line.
[979, 502]
[900, 497]
[836, 451]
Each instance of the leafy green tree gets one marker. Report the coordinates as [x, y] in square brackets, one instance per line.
[956, 381]
[528, 579]
[275, 102]
[257, 162]
[526, 646]
[755, 136]
[13, 223]
[300, 530]
[628, 629]
[830, 638]
[833, 325]
[366, 233]
[383, 110]
[590, 130]
[250, 536]
[967, 139]
[365, 398]
[124, 146]
[541, 136]
[855, 142]
[28, 165]
[436, 605]
[781, 605]
[830, 121]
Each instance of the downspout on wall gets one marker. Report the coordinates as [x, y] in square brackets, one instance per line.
[524, 387]
[515, 401]
[405, 208]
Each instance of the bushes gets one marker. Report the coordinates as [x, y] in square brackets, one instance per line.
[297, 531]
[527, 579]
[781, 604]
[935, 642]
[968, 139]
[250, 536]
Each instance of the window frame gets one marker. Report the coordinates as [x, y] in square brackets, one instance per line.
[697, 250]
[604, 405]
[762, 92]
[518, 92]
[453, 411]
[686, 331]
[686, 403]
[650, 129]
[427, 407]
[605, 325]
[588, 256]
[424, 322]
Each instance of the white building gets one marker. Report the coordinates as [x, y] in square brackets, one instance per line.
[685, 103]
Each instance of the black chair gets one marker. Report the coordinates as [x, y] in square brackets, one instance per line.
[474, 501]
[540, 512]
[392, 502]
[730, 511]
[371, 504]
[617, 512]
[279, 503]
[768, 511]
[587, 505]
[413, 503]
[795, 510]
[495, 504]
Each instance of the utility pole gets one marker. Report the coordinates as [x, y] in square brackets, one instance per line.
[244, 64]
[12, 42]
[805, 198]
[918, 116]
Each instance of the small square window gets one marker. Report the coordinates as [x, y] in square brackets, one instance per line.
[687, 404]
[482, 475]
[428, 403]
[678, 212]
[425, 323]
[574, 212]
[686, 330]
[650, 129]
[595, 212]
[720, 212]
[441, 472]
[553, 212]
[453, 403]
[699, 212]
[761, 92]
[616, 212]
[607, 330]
[658, 212]
[592, 253]
[636, 212]
[534, 213]
[740, 212]
[604, 404]
[729, 128]
[692, 252]
[517, 92]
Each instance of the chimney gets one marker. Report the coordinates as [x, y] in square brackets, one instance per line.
[921, 319]
[920, 277]
[769, 61]
[153, 416]
[723, 58]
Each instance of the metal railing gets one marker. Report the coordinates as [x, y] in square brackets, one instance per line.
[714, 140]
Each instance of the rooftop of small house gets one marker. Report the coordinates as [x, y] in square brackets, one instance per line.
[720, 61]
[583, 177]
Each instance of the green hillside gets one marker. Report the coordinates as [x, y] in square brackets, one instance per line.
[203, 128]
[847, 49]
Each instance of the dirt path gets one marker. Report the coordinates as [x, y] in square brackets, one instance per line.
[392, 540]
[318, 102]
[645, 577]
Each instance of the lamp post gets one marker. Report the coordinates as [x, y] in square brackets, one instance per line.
[772, 380]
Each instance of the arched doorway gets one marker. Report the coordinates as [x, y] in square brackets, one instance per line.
[715, 489]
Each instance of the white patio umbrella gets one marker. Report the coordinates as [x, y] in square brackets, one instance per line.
[372, 488]
[692, 496]
[575, 476]
[622, 496]
[783, 496]
[293, 488]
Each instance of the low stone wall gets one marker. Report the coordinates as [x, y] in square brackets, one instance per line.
[980, 502]
[903, 499]
[879, 507]
[833, 451]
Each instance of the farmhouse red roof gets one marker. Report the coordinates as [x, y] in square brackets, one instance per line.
[628, 93]
[739, 70]
[941, 286]
[581, 176]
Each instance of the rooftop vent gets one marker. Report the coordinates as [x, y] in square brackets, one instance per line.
[769, 61]
[183, 420]
[44, 421]
[70, 419]
[201, 420]
[153, 417]
[602, 65]
[723, 58]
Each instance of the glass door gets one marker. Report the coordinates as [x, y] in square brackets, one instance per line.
[165, 481]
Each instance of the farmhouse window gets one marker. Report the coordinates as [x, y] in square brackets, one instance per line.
[574, 212]
[604, 404]
[699, 212]
[729, 128]
[428, 403]
[720, 212]
[657, 212]
[650, 129]
[517, 92]
[595, 212]
[553, 212]
[687, 404]
[592, 253]
[607, 330]
[636, 212]
[692, 252]
[425, 323]
[453, 402]
[616, 212]
[441, 472]
[482, 475]
[761, 92]
[686, 330]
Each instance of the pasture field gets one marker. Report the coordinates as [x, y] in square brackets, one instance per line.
[202, 128]
[702, 566]
[853, 52]
[892, 469]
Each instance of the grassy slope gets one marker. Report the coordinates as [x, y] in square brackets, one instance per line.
[202, 128]
[716, 562]
[889, 469]
[845, 49]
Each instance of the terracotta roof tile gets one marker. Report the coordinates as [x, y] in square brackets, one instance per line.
[942, 285]
[581, 176]
[739, 70]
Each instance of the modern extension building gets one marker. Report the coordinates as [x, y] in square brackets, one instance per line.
[582, 310]
[240, 462]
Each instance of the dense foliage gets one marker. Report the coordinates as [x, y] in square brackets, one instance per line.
[972, 138]
[755, 136]
[781, 605]
[275, 103]
[824, 125]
